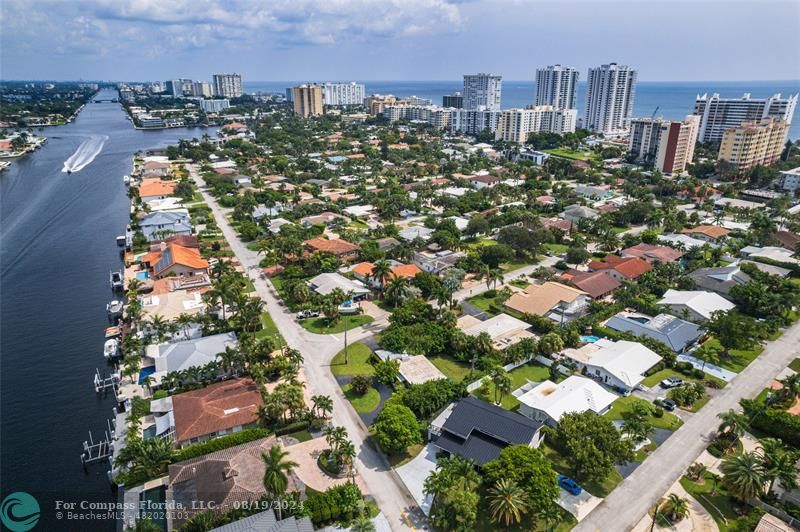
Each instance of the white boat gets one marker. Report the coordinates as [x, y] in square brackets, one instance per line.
[126, 179]
[111, 348]
[114, 308]
[122, 240]
[117, 280]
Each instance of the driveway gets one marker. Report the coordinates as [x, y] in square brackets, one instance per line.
[632, 499]
[698, 520]
[414, 474]
[578, 505]
[711, 369]
[382, 482]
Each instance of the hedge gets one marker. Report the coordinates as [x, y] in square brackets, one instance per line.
[223, 442]
[774, 422]
[292, 427]
[339, 503]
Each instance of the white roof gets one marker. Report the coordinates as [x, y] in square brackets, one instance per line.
[687, 241]
[625, 360]
[575, 394]
[497, 326]
[359, 210]
[770, 252]
[701, 302]
[325, 283]
[415, 231]
[418, 370]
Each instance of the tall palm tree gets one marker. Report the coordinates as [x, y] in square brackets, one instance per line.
[276, 473]
[347, 455]
[398, 290]
[322, 405]
[362, 524]
[732, 423]
[508, 502]
[380, 273]
[779, 463]
[744, 475]
[675, 507]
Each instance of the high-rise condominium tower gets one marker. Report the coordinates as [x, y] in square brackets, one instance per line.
[557, 86]
[609, 98]
[717, 115]
[227, 85]
[482, 92]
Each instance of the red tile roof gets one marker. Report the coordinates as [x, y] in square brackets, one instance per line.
[653, 253]
[631, 267]
[596, 284]
[711, 231]
[221, 406]
[337, 247]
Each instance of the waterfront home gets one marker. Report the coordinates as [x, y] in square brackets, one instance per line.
[477, 430]
[547, 402]
[719, 280]
[221, 408]
[621, 269]
[504, 330]
[695, 305]
[712, 234]
[325, 283]
[225, 480]
[157, 225]
[175, 260]
[156, 189]
[172, 303]
[341, 249]
[679, 335]
[155, 169]
[652, 253]
[620, 365]
[559, 302]
[179, 356]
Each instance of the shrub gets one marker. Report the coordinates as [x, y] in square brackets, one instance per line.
[776, 423]
[361, 384]
[223, 442]
[490, 293]
[292, 427]
[396, 428]
[658, 412]
[336, 503]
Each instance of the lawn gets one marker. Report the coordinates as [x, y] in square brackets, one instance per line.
[484, 303]
[659, 376]
[795, 364]
[358, 361]
[697, 405]
[301, 435]
[364, 404]
[398, 459]
[485, 524]
[320, 325]
[624, 404]
[455, 370]
[598, 489]
[270, 329]
[720, 506]
[556, 249]
[519, 283]
[569, 154]
[519, 376]
[740, 358]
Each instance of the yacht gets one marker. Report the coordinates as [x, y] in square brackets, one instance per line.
[111, 349]
[117, 280]
[121, 241]
[114, 308]
[126, 179]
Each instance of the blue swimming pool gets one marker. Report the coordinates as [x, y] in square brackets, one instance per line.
[146, 372]
[142, 276]
[589, 339]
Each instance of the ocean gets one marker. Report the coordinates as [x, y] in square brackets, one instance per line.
[670, 99]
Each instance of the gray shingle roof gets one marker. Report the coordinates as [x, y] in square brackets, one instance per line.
[266, 522]
[672, 331]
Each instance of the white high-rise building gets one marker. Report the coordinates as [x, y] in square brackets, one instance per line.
[214, 106]
[516, 124]
[720, 114]
[482, 92]
[343, 93]
[609, 98]
[666, 144]
[227, 85]
[557, 86]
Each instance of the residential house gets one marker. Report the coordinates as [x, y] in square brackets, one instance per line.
[621, 269]
[342, 249]
[565, 226]
[477, 430]
[178, 356]
[275, 225]
[157, 225]
[221, 408]
[363, 272]
[773, 253]
[173, 259]
[323, 218]
[593, 192]
[479, 182]
[267, 522]
[325, 283]
[695, 305]
[674, 332]
[156, 189]
[620, 365]
[388, 243]
[547, 402]
[559, 302]
[437, 261]
[414, 369]
[652, 253]
[156, 169]
[597, 284]
[575, 213]
[504, 330]
[683, 241]
[719, 280]
[787, 239]
[359, 211]
[713, 234]
[415, 231]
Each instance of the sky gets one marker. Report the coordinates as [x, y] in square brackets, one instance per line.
[139, 40]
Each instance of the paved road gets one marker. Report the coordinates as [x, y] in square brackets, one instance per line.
[382, 482]
[639, 492]
[523, 272]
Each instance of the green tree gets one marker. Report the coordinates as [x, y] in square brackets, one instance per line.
[675, 507]
[396, 428]
[743, 476]
[276, 473]
[576, 255]
[550, 343]
[387, 371]
[455, 503]
[529, 469]
[362, 524]
[507, 501]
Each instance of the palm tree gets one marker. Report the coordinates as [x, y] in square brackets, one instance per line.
[779, 463]
[507, 501]
[715, 480]
[732, 423]
[744, 475]
[494, 277]
[791, 387]
[301, 293]
[398, 290]
[347, 454]
[323, 404]
[276, 473]
[380, 273]
[362, 524]
[676, 507]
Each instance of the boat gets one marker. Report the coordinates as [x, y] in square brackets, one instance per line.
[117, 280]
[126, 179]
[111, 348]
[122, 240]
[112, 332]
[114, 308]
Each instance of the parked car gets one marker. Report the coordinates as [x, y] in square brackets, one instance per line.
[569, 485]
[666, 404]
[671, 382]
[308, 313]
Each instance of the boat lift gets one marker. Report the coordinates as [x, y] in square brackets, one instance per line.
[104, 384]
[97, 451]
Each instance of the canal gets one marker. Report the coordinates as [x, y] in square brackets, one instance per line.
[57, 246]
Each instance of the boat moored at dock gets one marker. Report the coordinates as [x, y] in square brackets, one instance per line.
[114, 309]
[117, 281]
[111, 349]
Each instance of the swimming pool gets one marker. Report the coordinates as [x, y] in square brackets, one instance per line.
[143, 276]
[589, 339]
[146, 372]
